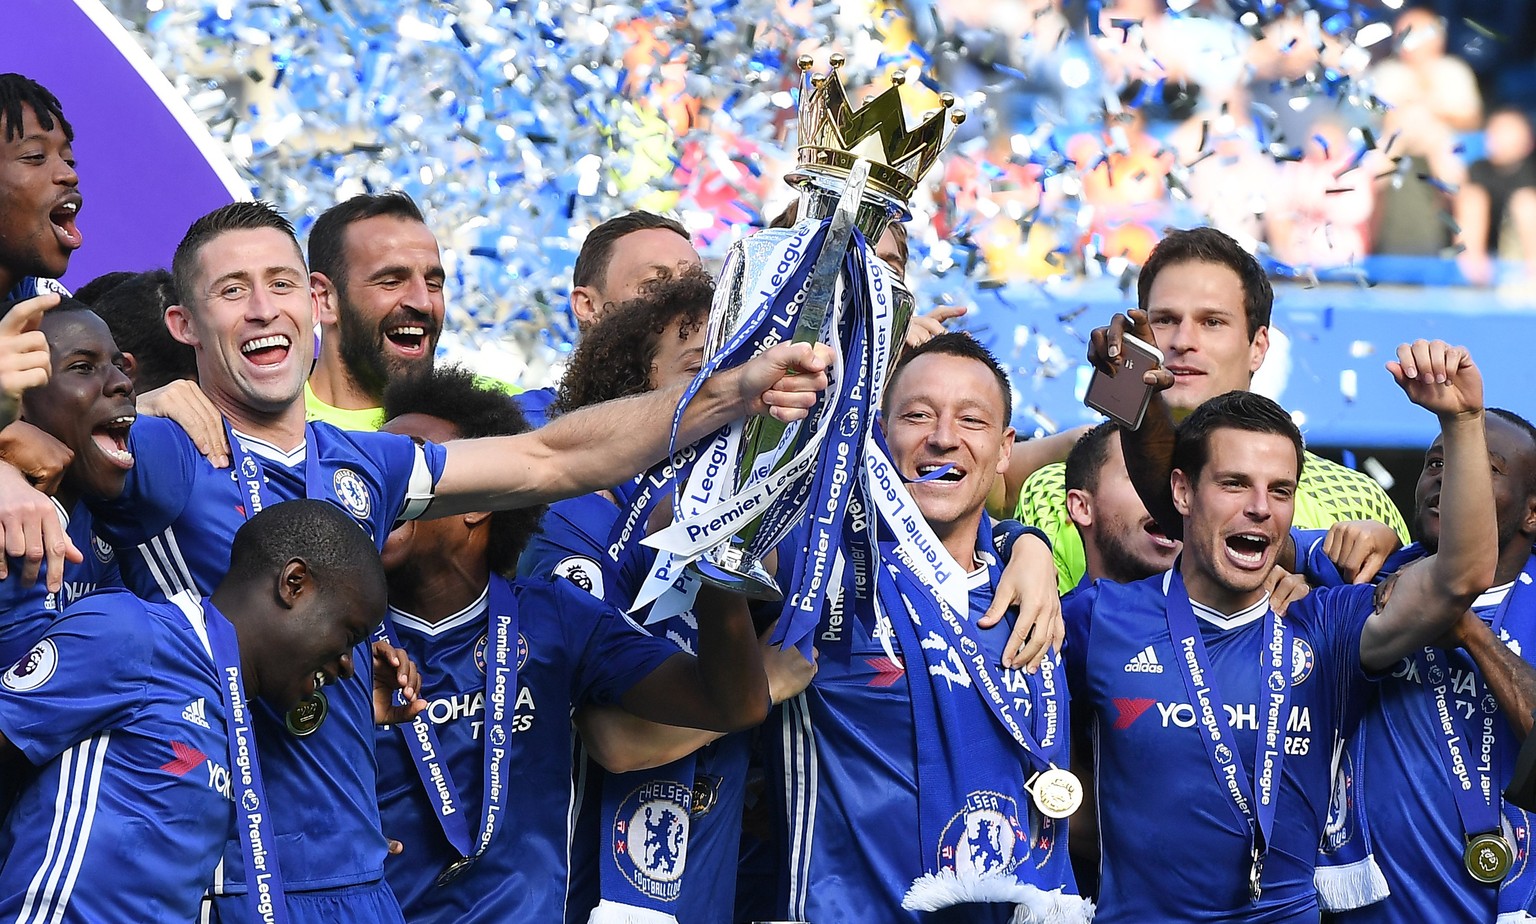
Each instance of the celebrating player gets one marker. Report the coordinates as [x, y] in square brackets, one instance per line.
[507, 662]
[1235, 729]
[1209, 302]
[121, 706]
[904, 764]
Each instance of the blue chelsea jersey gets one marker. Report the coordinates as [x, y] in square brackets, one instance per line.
[844, 766]
[571, 650]
[118, 706]
[173, 526]
[1174, 845]
[26, 610]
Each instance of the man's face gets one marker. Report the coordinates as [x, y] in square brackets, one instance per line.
[948, 409]
[1511, 456]
[1129, 543]
[1236, 512]
[443, 534]
[88, 402]
[389, 308]
[637, 258]
[318, 638]
[678, 358]
[250, 318]
[1196, 311]
[39, 199]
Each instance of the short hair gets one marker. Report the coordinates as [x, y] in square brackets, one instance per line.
[102, 284]
[66, 303]
[451, 393]
[1235, 410]
[1207, 245]
[336, 548]
[957, 343]
[1525, 427]
[791, 214]
[1085, 462]
[135, 313]
[17, 91]
[237, 216]
[326, 253]
[596, 252]
[613, 358]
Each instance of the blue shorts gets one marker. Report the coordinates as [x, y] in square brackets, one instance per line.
[369, 903]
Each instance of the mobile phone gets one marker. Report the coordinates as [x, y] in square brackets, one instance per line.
[1123, 397]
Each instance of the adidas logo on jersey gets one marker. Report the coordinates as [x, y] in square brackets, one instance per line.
[196, 712]
[1145, 662]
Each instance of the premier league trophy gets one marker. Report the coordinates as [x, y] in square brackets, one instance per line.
[857, 170]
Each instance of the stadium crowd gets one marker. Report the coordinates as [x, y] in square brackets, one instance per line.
[1247, 686]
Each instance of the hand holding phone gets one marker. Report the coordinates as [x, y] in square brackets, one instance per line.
[1123, 395]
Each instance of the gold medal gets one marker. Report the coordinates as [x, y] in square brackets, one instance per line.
[307, 716]
[1488, 858]
[1057, 792]
[454, 870]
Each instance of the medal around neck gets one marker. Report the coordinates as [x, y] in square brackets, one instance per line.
[1057, 793]
[1488, 858]
[859, 168]
[307, 717]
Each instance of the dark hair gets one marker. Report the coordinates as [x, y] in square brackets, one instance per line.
[17, 91]
[791, 214]
[1235, 410]
[101, 285]
[336, 548]
[135, 313]
[1086, 460]
[326, 253]
[614, 358]
[237, 216]
[1207, 245]
[66, 303]
[957, 343]
[1525, 427]
[452, 394]
[596, 253]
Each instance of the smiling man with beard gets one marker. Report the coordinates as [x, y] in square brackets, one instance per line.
[39, 189]
[378, 279]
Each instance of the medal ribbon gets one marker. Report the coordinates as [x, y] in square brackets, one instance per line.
[1471, 776]
[1216, 731]
[263, 877]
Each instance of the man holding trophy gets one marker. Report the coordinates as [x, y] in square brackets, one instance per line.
[877, 575]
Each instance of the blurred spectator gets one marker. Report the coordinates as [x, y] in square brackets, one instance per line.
[1419, 79]
[1320, 212]
[1496, 207]
[1124, 172]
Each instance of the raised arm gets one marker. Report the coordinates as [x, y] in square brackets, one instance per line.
[1511, 678]
[1428, 599]
[600, 446]
[1148, 449]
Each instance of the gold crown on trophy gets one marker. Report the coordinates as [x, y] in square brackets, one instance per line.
[833, 135]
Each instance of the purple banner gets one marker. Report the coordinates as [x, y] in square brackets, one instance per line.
[147, 166]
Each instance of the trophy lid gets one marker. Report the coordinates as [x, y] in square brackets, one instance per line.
[833, 135]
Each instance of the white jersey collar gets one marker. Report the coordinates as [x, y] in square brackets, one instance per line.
[1222, 620]
[474, 612]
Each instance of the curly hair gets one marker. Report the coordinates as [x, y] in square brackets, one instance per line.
[614, 358]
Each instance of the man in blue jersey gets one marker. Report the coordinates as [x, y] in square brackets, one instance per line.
[87, 405]
[247, 312]
[1215, 720]
[120, 709]
[451, 599]
[903, 787]
[1399, 797]
[39, 189]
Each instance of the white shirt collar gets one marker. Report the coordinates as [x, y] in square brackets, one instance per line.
[475, 611]
[1222, 620]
